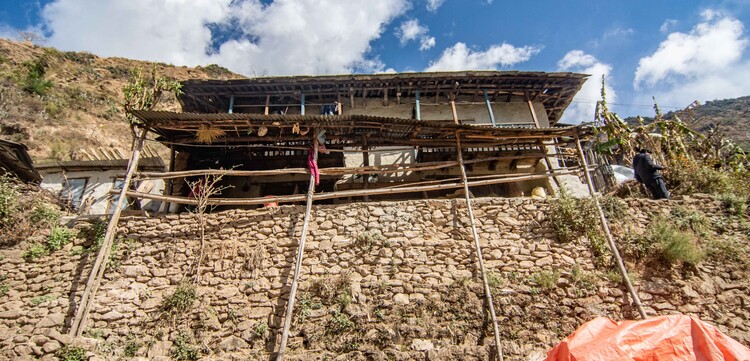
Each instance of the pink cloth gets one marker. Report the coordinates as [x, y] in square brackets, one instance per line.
[313, 165]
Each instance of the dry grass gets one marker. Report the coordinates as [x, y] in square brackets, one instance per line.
[207, 134]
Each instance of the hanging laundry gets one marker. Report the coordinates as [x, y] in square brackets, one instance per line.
[313, 165]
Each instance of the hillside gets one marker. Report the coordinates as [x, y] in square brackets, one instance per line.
[59, 102]
[730, 116]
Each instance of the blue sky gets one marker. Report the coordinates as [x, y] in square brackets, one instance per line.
[677, 51]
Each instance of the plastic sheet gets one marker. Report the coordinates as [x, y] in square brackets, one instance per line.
[664, 338]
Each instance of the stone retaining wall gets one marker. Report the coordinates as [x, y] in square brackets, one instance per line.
[380, 281]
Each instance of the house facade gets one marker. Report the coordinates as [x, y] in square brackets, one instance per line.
[87, 185]
[381, 120]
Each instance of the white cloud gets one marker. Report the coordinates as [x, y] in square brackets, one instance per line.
[668, 25]
[427, 43]
[413, 30]
[433, 5]
[704, 64]
[710, 45]
[584, 104]
[277, 38]
[460, 57]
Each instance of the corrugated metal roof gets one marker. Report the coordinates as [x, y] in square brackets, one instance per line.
[154, 164]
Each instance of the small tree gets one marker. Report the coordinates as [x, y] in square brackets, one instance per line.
[202, 190]
[145, 92]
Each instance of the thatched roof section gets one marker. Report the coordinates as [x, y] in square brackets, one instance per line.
[554, 90]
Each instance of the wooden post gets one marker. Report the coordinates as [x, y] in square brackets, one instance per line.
[231, 104]
[477, 245]
[531, 109]
[170, 184]
[302, 104]
[339, 106]
[300, 253]
[268, 103]
[366, 163]
[605, 227]
[542, 147]
[418, 111]
[100, 265]
[489, 108]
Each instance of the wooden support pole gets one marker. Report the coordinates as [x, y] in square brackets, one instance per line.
[542, 147]
[477, 245]
[100, 265]
[170, 183]
[300, 253]
[268, 102]
[302, 105]
[533, 112]
[366, 163]
[339, 106]
[610, 240]
[417, 110]
[489, 108]
[231, 104]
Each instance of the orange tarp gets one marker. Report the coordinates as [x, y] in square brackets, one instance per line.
[664, 338]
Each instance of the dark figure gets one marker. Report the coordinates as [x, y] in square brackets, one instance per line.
[647, 173]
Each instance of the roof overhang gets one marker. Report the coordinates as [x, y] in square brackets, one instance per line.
[241, 129]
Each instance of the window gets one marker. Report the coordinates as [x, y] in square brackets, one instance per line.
[73, 191]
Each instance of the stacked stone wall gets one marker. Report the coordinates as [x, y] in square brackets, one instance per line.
[390, 280]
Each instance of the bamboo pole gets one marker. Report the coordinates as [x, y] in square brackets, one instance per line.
[477, 245]
[97, 271]
[610, 240]
[300, 253]
[400, 189]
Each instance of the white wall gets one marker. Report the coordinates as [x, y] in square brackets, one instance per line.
[97, 189]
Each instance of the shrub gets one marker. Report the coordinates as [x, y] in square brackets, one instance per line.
[734, 204]
[181, 299]
[691, 220]
[546, 279]
[34, 81]
[260, 330]
[183, 349]
[131, 347]
[340, 322]
[59, 237]
[674, 245]
[71, 353]
[572, 217]
[45, 214]
[8, 201]
[35, 251]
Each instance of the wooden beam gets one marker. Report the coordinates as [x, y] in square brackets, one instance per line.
[400, 189]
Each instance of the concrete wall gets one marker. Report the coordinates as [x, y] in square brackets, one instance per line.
[380, 281]
[96, 198]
